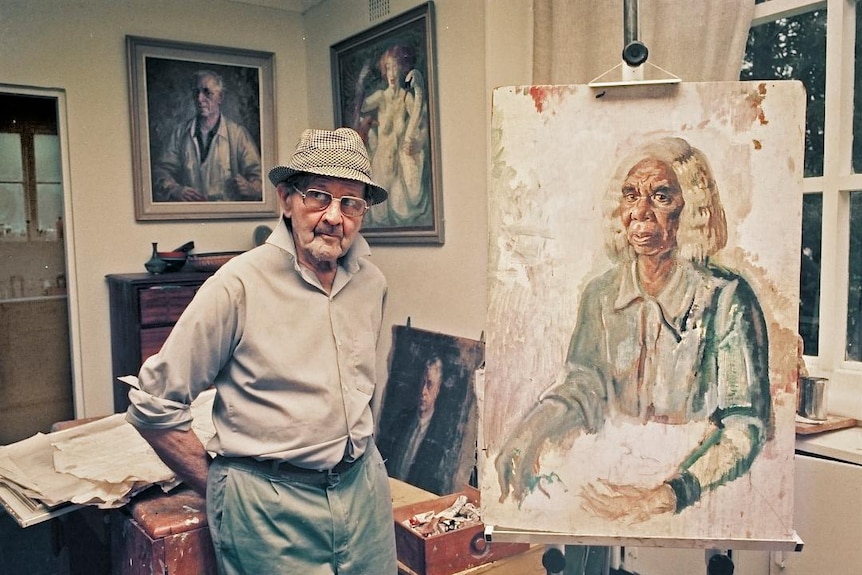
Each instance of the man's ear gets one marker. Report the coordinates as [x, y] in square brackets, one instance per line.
[284, 198]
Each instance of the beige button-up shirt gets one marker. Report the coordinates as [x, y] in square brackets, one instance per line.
[293, 367]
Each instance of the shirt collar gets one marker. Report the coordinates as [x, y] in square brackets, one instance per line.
[220, 127]
[283, 239]
[674, 300]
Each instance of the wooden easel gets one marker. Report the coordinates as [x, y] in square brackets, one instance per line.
[719, 554]
[634, 70]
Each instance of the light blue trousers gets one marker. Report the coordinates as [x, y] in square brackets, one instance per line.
[264, 523]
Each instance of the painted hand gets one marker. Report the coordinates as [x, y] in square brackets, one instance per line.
[517, 466]
[244, 188]
[188, 194]
[629, 503]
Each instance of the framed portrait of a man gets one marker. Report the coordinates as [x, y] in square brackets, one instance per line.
[202, 128]
[384, 88]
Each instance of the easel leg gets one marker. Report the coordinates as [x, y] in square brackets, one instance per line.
[576, 560]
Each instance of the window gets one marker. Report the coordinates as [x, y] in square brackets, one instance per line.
[31, 191]
[816, 42]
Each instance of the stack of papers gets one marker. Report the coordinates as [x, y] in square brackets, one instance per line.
[102, 463]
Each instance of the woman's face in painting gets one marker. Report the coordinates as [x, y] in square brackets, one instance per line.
[393, 70]
[650, 206]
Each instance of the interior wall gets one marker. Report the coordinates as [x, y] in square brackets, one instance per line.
[440, 288]
[79, 47]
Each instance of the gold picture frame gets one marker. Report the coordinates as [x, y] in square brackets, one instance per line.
[167, 161]
[397, 119]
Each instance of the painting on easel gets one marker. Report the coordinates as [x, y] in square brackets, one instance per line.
[641, 352]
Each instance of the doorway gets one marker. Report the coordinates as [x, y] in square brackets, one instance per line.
[36, 362]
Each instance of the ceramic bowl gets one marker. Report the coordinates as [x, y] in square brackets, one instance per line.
[173, 260]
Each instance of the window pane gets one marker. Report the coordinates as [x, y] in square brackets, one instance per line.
[13, 219]
[11, 167]
[857, 96]
[50, 205]
[854, 291]
[794, 49]
[809, 278]
[47, 158]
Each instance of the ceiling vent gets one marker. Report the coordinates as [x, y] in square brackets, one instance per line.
[377, 9]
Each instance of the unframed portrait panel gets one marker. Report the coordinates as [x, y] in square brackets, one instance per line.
[554, 151]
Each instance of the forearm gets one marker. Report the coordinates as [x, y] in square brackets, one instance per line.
[581, 390]
[723, 456]
[183, 452]
[744, 415]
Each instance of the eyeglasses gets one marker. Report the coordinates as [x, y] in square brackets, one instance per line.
[318, 200]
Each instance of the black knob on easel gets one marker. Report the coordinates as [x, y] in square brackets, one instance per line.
[553, 560]
[635, 53]
[720, 565]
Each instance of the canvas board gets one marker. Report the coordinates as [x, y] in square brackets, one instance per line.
[704, 419]
[428, 422]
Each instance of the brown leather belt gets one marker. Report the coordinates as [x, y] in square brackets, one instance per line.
[294, 472]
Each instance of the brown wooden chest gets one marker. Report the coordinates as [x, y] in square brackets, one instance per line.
[163, 534]
[446, 553]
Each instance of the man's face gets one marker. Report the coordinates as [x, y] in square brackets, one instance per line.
[431, 380]
[207, 95]
[321, 235]
[650, 206]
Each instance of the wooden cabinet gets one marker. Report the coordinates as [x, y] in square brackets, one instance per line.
[35, 366]
[144, 308]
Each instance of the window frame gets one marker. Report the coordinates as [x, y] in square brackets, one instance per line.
[835, 185]
[28, 128]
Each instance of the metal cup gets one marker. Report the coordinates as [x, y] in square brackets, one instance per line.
[811, 398]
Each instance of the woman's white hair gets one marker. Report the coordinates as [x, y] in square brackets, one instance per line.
[702, 226]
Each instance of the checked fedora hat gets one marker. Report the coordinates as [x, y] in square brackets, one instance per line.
[336, 153]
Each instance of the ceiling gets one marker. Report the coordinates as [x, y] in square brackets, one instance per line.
[288, 5]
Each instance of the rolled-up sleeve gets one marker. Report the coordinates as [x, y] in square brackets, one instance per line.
[149, 411]
[197, 348]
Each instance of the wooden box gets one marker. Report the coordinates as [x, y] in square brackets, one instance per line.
[451, 552]
[164, 534]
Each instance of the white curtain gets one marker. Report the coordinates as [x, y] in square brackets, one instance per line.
[576, 41]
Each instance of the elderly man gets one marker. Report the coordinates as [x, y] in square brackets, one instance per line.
[210, 157]
[665, 336]
[287, 334]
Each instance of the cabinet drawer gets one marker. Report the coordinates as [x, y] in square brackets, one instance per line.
[164, 304]
[144, 309]
[152, 339]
